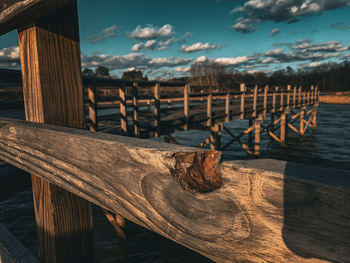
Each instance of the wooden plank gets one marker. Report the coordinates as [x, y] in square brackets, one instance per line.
[303, 212]
[266, 91]
[17, 13]
[255, 98]
[53, 93]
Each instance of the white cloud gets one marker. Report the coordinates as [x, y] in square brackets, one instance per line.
[232, 60]
[274, 32]
[9, 57]
[105, 33]
[153, 45]
[201, 59]
[151, 32]
[198, 47]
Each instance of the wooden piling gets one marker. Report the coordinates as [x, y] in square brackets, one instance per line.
[274, 100]
[135, 109]
[257, 130]
[209, 110]
[243, 90]
[157, 110]
[93, 119]
[255, 98]
[266, 90]
[282, 100]
[288, 98]
[227, 107]
[294, 96]
[301, 118]
[53, 93]
[123, 110]
[283, 129]
[186, 106]
[215, 137]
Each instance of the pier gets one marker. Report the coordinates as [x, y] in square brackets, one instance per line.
[237, 211]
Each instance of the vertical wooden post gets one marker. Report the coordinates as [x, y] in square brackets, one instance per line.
[243, 90]
[266, 90]
[93, 119]
[283, 129]
[209, 110]
[288, 98]
[186, 106]
[250, 135]
[312, 95]
[299, 99]
[308, 97]
[157, 110]
[123, 109]
[304, 98]
[294, 96]
[227, 107]
[255, 99]
[215, 134]
[274, 100]
[53, 93]
[135, 109]
[282, 100]
[257, 130]
[301, 126]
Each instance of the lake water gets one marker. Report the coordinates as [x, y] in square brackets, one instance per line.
[328, 146]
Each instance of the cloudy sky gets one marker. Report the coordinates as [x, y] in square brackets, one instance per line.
[164, 38]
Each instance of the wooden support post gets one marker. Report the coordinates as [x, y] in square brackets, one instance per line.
[274, 100]
[227, 107]
[255, 99]
[187, 106]
[314, 117]
[266, 90]
[299, 97]
[135, 109]
[301, 126]
[283, 129]
[308, 97]
[282, 100]
[209, 110]
[257, 130]
[53, 93]
[243, 90]
[157, 110]
[250, 136]
[215, 137]
[92, 96]
[294, 96]
[312, 95]
[288, 98]
[123, 110]
[304, 98]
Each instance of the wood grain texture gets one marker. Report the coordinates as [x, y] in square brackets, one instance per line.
[52, 89]
[265, 210]
[17, 13]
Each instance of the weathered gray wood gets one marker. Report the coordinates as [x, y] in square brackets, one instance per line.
[11, 250]
[17, 13]
[265, 210]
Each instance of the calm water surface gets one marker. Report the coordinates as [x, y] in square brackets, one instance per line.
[328, 146]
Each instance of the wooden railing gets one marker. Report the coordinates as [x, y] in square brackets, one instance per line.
[183, 109]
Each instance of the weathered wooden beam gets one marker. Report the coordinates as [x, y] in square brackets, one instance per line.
[92, 96]
[187, 106]
[18, 13]
[156, 110]
[265, 209]
[53, 93]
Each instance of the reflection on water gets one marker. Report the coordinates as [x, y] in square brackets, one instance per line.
[328, 146]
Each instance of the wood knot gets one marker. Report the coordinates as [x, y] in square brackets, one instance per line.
[198, 171]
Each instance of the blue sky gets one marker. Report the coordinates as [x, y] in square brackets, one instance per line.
[164, 38]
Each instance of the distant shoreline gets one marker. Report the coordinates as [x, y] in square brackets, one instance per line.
[336, 98]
